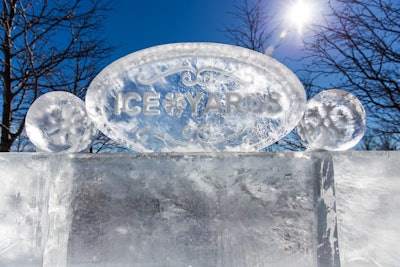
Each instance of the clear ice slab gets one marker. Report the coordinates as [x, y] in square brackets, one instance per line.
[224, 209]
[368, 201]
[23, 208]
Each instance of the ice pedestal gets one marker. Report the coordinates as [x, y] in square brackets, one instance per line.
[261, 209]
[199, 210]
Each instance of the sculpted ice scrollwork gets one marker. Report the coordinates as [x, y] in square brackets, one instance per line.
[191, 76]
[207, 136]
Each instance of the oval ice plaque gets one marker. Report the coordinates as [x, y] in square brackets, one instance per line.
[193, 97]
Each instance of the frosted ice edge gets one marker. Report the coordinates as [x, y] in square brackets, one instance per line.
[325, 205]
[61, 180]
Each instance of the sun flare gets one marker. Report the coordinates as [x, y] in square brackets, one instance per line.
[300, 14]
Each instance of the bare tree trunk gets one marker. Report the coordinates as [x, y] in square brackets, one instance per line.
[6, 138]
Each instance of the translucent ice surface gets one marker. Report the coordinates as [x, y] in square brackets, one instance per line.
[57, 122]
[227, 209]
[221, 210]
[334, 120]
[196, 97]
[368, 203]
[170, 210]
[23, 209]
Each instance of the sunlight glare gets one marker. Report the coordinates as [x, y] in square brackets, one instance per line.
[300, 14]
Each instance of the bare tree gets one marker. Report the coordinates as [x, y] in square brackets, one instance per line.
[46, 46]
[251, 29]
[357, 48]
[382, 141]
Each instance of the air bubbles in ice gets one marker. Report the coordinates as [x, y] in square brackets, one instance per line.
[333, 120]
[57, 122]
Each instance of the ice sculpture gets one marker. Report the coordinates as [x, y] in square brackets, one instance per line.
[57, 122]
[333, 120]
[195, 97]
[181, 209]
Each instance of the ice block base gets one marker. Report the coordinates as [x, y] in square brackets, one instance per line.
[223, 209]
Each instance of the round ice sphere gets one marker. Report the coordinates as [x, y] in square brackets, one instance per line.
[333, 120]
[57, 122]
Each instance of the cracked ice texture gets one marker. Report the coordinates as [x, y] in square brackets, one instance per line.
[57, 122]
[193, 211]
[214, 210]
[168, 209]
[22, 209]
[368, 201]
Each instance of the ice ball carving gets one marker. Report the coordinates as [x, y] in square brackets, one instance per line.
[334, 120]
[57, 122]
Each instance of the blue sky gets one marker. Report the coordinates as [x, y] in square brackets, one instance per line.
[136, 25]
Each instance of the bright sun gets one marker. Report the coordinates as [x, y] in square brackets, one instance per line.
[300, 14]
